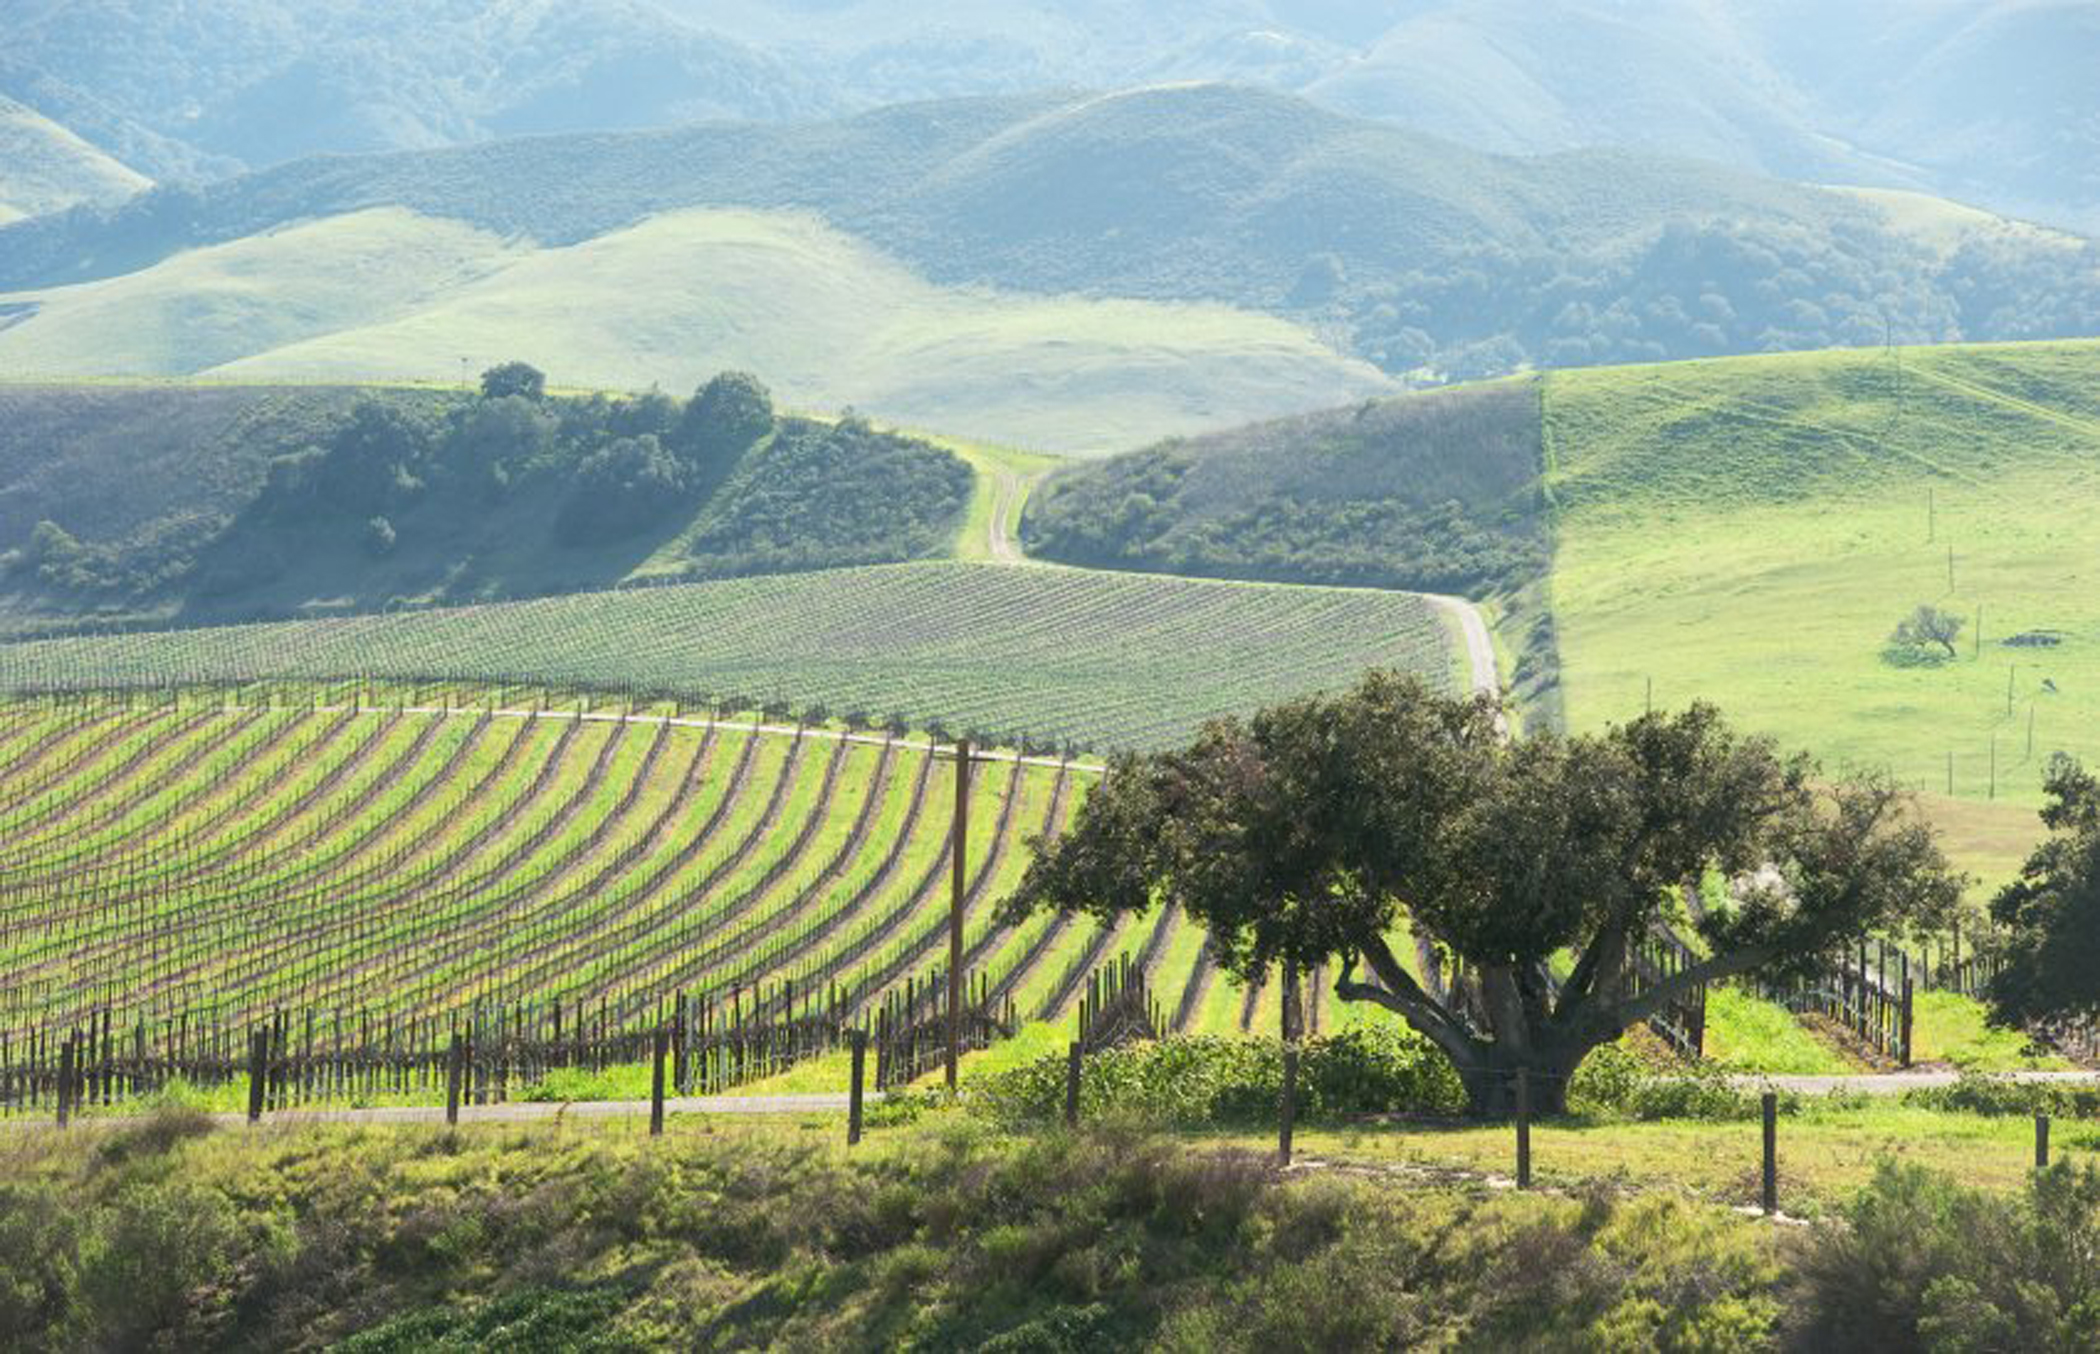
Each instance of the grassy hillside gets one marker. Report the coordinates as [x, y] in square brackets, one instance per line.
[1422, 257]
[45, 168]
[1751, 531]
[386, 294]
[1056, 656]
[1435, 492]
[193, 503]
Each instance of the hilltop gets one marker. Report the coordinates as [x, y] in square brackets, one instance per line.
[1376, 245]
[185, 504]
[1982, 100]
[1437, 492]
[44, 167]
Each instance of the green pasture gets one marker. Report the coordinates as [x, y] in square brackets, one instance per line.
[1749, 531]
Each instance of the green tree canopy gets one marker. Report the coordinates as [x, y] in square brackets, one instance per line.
[620, 489]
[1307, 832]
[508, 379]
[725, 416]
[373, 460]
[2051, 913]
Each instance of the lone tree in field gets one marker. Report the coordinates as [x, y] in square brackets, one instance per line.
[1927, 625]
[513, 378]
[2051, 913]
[1307, 832]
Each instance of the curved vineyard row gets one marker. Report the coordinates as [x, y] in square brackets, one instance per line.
[198, 857]
[1040, 656]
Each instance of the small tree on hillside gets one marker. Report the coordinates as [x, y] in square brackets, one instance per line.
[2051, 913]
[1928, 625]
[513, 378]
[725, 416]
[1305, 833]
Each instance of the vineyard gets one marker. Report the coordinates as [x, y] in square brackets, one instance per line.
[351, 865]
[1042, 656]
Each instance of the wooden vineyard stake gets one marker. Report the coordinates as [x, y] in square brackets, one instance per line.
[1768, 1110]
[2041, 1142]
[959, 889]
[853, 1095]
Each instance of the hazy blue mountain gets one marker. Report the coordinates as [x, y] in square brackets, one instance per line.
[1984, 100]
[1431, 260]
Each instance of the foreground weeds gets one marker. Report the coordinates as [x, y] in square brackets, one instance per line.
[943, 1235]
[951, 1234]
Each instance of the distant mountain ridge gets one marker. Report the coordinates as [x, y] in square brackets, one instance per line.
[1989, 101]
[1431, 261]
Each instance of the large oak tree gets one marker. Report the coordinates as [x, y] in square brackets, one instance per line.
[1307, 832]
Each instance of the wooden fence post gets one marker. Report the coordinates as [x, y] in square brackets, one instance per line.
[2041, 1141]
[1523, 1129]
[1290, 1102]
[662, 1047]
[1768, 1107]
[65, 1083]
[1906, 1013]
[258, 1073]
[854, 1094]
[452, 1070]
[1072, 1062]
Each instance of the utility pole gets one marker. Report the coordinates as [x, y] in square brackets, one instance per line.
[960, 887]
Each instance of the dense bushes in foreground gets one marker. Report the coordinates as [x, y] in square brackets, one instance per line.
[951, 1236]
[936, 1238]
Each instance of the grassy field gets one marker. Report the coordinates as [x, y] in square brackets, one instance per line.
[1100, 660]
[1749, 531]
[387, 294]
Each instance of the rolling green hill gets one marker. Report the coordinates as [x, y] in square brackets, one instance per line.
[181, 504]
[1436, 492]
[387, 294]
[45, 168]
[1429, 260]
[1744, 530]
[1750, 532]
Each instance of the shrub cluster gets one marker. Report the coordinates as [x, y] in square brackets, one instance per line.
[1367, 1069]
[1925, 1262]
[945, 1237]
